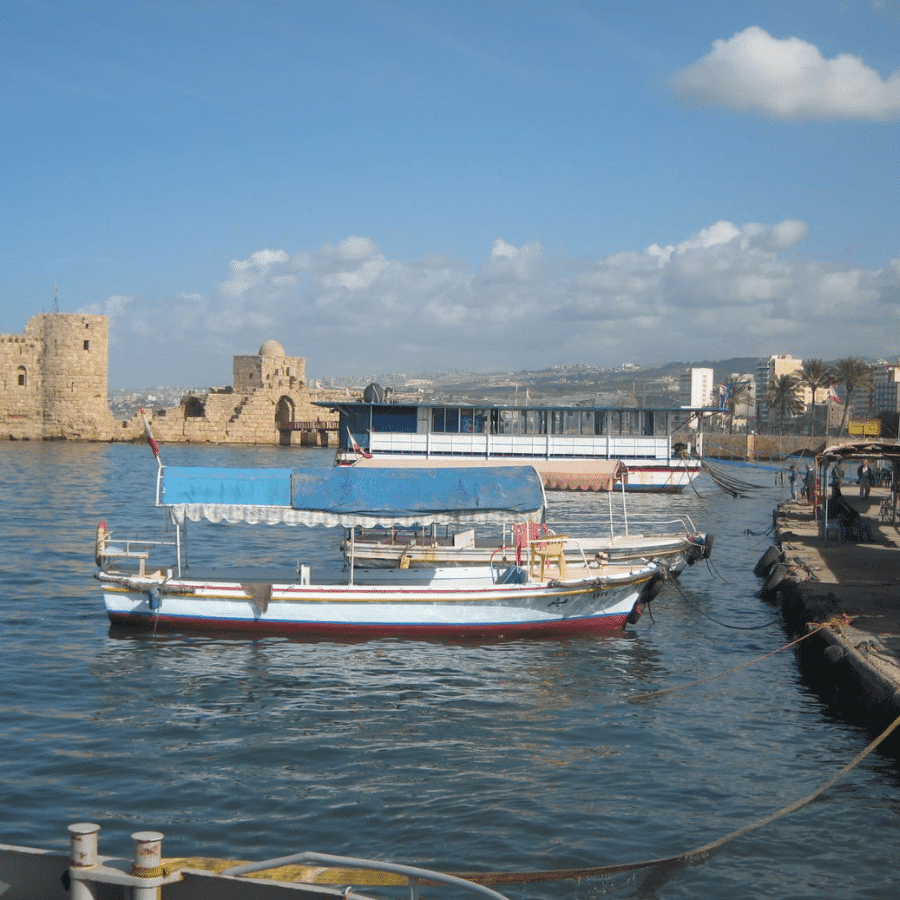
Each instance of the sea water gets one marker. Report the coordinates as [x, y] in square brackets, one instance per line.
[496, 756]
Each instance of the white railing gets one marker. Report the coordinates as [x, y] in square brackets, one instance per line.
[525, 445]
[413, 874]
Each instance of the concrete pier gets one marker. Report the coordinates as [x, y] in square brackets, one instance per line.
[848, 592]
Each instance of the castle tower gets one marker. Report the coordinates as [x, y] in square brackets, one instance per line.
[21, 385]
[74, 368]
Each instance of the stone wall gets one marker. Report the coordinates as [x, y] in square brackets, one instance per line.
[759, 446]
[53, 385]
[269, 393]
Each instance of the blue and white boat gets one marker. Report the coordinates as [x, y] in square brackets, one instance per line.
[552, 593]
[575, 448]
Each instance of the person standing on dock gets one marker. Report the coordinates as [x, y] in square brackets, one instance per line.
[792, 478]
[865, 479]
[808, 479]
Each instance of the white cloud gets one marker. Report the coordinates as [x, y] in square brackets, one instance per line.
[247, 272]
[789, 79]
[502, 250]
[727, 290]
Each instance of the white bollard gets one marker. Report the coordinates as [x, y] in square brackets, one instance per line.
[83, 855]
[147, 862]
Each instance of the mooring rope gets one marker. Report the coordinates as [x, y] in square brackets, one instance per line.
[706, 615]
[737, 487]
[636, 698]
[689, 856]
[335, 876]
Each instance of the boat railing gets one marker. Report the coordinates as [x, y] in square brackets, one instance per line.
[115, 552]
[413, 874]
[658, 525]
[150, 876]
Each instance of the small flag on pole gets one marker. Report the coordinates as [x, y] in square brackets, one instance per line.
[356, 448]
[150, 439]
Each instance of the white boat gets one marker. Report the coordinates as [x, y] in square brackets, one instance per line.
[674, 543]
[575, 448]
[412, 548]
[550, 596]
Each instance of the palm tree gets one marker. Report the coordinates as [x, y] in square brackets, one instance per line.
[815, 374]
[856, 375]
[738, 394]
[783, 395]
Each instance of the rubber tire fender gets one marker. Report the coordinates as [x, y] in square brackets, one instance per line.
[766, 562]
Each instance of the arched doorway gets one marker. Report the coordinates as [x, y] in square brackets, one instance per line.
[284, 420]
[284, 412]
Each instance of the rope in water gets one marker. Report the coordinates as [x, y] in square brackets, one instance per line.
[689, 856]
[706, 615]
[342, 876]
[636, 698]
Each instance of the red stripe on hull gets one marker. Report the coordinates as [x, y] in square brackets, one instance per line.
[601, 624]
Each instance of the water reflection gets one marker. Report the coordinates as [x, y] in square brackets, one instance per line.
[501, 756]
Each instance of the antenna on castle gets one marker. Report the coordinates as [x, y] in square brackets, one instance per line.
[56, 298]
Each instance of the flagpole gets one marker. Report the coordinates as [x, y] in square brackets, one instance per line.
[154, 446]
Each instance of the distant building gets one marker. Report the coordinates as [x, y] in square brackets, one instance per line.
[886, 393]
[697, 387]
[269, 403]
[769, 369]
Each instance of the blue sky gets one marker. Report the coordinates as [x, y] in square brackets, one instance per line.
[387, 185]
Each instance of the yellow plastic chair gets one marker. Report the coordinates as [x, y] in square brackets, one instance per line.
[551, 549]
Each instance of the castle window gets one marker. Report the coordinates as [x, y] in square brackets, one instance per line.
[87, 345]
[194, 408]
[21, 373]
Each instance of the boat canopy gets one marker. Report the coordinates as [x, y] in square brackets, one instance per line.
[348, 496]
[860, 450]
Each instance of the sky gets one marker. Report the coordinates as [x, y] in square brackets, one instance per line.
[408, 186]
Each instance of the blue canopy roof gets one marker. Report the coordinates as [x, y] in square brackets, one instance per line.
[349, 496]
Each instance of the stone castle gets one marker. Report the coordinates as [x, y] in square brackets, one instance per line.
[53, 386]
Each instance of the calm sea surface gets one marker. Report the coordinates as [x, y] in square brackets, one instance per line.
[496, 756]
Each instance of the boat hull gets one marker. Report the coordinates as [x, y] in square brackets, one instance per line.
[432, 607]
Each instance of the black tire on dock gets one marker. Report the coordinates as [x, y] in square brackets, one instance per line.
[779, 573]
[766, 561]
